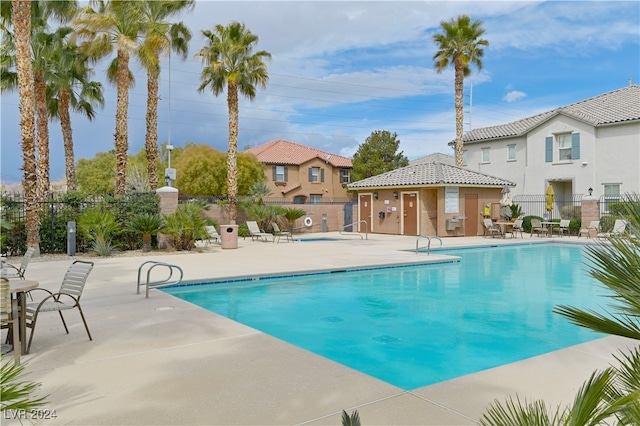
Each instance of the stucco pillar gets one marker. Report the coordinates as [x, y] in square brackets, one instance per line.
[168, 204]
[590, 211]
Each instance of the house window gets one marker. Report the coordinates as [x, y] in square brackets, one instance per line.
[315, 198]
[280, 173]
[511, 153]
[485, 155]
[316, 174]
[345, 175]
[611, 194]
[464, 157]
[564, 147]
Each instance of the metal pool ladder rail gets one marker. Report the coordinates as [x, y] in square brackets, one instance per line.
[366, 230]
[428, 243]
[167, 281]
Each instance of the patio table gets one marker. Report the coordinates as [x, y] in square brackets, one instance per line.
[19, 289]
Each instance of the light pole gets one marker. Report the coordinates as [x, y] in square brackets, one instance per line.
[169, 173]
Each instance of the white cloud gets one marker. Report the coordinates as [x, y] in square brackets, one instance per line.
[514, 95]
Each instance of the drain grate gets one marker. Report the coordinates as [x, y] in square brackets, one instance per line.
[332, 319]
[385, 339]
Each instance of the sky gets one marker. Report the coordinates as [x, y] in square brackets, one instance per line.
[341, 70]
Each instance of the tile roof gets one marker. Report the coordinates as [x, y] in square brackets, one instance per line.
[618, 106]
[433, 174]
[283, 152]
[437, 157]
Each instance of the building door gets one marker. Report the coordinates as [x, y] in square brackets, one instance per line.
[410, 213]
[348, 216]
[472, 213]
[364, 212]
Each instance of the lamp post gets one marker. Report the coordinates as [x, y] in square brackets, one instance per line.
[169, 173]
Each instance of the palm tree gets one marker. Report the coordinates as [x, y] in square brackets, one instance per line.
[160, 36]
[230, 61]
[146, 224]
[69, 88]
[459, 44]
[115, 25]
[614, 392]
[21, 18]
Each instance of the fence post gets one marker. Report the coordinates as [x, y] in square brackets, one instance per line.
[168, 204]
[590, 211]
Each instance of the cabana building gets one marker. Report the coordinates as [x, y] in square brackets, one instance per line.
[430, 198]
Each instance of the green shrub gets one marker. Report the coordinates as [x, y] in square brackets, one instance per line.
[186, 226]
[606, 223]
[574, 226]
[243, 231]
[526, 222]
[571, 212]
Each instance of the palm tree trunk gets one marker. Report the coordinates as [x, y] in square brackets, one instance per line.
[67, 139]
[21, 17]
[232, 161]
[43, 181]
[121, 136]
[459, 87]
[151, 142]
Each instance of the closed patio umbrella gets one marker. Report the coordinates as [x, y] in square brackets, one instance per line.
[549, 198]
[506, 200]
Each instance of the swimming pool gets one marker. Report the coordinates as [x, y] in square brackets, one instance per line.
[413, 326]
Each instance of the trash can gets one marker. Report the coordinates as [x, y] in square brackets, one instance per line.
[229, 236]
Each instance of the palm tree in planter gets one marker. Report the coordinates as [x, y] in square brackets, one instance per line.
[292, 214]
[146, 224]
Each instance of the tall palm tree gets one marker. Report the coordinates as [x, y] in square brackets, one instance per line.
[69, 88]
[160, 36]
[459, 44]
[614, 392]
[21, 19]
[230, 61]
[115, 25]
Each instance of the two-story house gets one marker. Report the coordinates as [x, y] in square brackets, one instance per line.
[302, 174]
[594, 143]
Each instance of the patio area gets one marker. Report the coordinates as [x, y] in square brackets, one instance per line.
[163, 361]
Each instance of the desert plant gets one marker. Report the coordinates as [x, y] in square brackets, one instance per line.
[17, 393]
[99, 227]
[516, 211]
[350, 420]
[147, 225]
[571, 212]
[291, 214]
[186, 225]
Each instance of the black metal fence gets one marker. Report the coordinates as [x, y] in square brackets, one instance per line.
[536, 205]
[58, 208]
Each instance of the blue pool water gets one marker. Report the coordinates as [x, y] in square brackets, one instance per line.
[419, 325]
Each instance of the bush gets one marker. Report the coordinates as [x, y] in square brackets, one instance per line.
[571, 212]
[606, 223]
[574, 226]
[526, 222]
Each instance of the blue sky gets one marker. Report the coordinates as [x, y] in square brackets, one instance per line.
[341, 70]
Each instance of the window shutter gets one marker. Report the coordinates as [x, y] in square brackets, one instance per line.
[310, 175]
[322, 175]
[548, 149]
[286, 173]
[275, 176]
[575, 146]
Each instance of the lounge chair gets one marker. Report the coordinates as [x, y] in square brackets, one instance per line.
[256, 232]
[594, 226]
[491, 229]
[619, 228]
[213, 235]
[12, 271]
[9, 318]
[537, 228]
[563, 228]
[68, 297]
[278, 233]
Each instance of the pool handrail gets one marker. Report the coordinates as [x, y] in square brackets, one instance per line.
[429, 238]
[366, 229]
[161, 283]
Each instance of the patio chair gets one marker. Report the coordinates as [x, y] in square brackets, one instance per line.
[256, 232]
[278, 233]
[9, 319]
[213, 235]
[537, 228]
[517, 227]
[68, 297]
[563, 228]
[491, 229]
[594, 225]
[18, 271]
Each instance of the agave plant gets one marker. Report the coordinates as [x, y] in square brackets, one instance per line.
[146, 224]
[350, 420]
[99, 226]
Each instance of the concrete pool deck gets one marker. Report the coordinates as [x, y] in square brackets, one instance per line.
[163, 361]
